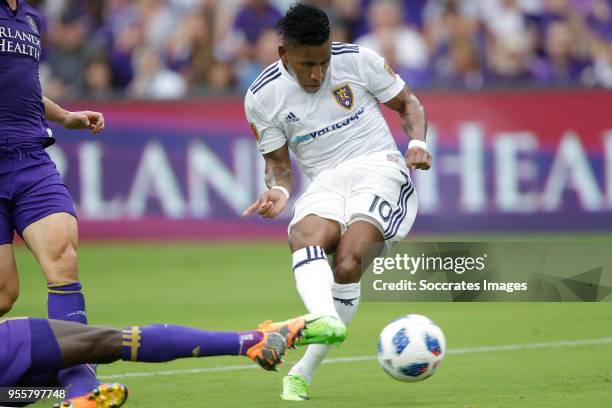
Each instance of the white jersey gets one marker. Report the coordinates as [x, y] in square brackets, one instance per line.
[341, 121]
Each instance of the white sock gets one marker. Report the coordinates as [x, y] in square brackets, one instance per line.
[314, 279]
[346, 300]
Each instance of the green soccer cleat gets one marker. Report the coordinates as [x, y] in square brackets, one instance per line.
[295, 388]
[321, 329]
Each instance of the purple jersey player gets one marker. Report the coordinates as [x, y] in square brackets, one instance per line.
[33, 199]
[32, 351]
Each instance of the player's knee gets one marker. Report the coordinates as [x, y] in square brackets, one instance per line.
[62, 266]
[8, 297]
[347, 268]
[298, 239]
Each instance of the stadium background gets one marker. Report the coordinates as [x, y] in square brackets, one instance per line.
[521, 132]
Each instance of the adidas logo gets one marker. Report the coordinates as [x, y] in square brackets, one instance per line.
[291, 118]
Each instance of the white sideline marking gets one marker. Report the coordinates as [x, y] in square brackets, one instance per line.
[483, 349]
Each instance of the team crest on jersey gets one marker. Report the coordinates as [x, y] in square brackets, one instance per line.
[344, 96]
[255, 132]
[32, 24]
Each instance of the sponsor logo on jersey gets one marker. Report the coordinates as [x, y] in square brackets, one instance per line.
[32, 24]
[331, 128]
[291, 118]
[344, 96]
[20, 42]
[254, 130]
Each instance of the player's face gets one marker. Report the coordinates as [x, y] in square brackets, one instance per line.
[308, 64]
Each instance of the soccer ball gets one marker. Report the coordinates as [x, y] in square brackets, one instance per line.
[411, 348]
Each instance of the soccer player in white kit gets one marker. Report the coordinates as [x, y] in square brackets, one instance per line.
[321, 100]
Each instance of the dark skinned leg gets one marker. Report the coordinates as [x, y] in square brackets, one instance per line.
[313, 275]
[80, 344]
[347, 269]
[315, 230]
[347, 264]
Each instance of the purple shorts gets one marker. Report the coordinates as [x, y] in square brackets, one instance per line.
[15, 350]
[30, 189]
[27, 347]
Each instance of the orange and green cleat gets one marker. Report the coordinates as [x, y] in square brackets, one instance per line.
[103, 396]
[269, 352]
[277, 338]
[292, 329]
[309, 329]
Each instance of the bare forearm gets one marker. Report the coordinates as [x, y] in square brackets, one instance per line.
[414, 123]
[414, 120]
[279, 174]
[54, 112]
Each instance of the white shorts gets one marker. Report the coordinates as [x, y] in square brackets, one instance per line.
[374, 188]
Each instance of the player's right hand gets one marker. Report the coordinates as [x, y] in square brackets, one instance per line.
[269, 205]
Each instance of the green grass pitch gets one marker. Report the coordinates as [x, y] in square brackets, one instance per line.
[235, 286]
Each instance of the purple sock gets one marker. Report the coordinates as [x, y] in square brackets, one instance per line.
[66, 302]
[161, 342]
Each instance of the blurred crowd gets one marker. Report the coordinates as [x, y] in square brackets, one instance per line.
[166, 49]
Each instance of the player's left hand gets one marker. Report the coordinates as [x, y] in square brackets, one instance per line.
[418, 158]
[94, 121]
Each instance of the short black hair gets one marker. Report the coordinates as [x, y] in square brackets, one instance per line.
[304, 25]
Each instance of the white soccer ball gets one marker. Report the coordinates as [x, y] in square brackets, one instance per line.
[411, 348]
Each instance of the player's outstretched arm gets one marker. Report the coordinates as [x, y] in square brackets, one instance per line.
[414, 122]
[279, 179]
[93, 121]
